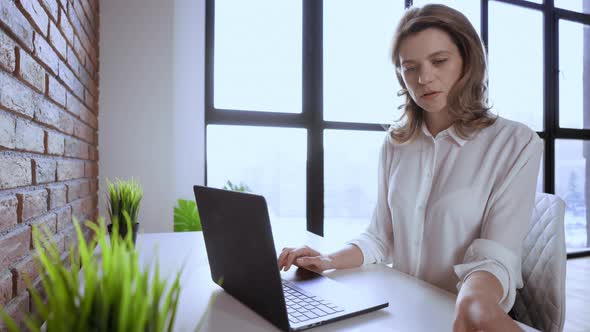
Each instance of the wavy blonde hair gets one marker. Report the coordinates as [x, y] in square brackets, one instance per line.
[468, 99]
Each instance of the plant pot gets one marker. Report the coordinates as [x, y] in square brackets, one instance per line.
[123, 231]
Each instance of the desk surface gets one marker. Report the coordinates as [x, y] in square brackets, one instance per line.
[414, 305]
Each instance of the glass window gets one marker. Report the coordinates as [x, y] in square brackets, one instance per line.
[471, 9]
[257, 62]
[581, 6]
[574, 75]
[350, 176]
[360, 84]
[270, 161]
[571, 184]
[516, 78]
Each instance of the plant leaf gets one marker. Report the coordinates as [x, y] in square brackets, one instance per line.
[186, 216]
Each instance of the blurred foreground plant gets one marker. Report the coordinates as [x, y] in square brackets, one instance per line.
[111, 293]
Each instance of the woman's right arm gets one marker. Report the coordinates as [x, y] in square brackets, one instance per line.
[375, 242]
[348, 257]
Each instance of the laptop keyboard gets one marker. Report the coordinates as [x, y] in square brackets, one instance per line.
[302, 306]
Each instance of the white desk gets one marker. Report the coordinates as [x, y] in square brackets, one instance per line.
[413, 304]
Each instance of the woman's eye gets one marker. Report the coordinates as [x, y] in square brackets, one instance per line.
[439, 61]
[409, 69]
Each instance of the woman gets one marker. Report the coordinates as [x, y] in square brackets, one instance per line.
[456, 183]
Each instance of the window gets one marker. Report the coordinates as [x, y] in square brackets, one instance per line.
[516, 28]
[250, 75]
[298, 95]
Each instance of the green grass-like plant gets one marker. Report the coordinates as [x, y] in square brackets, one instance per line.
[123, 197]
[236, 187]
[112, 293]
[186, 212]
[186, 216]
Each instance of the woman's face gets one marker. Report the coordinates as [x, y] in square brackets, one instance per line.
[430, 66]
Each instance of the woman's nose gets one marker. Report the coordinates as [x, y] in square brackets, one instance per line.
[425, 76]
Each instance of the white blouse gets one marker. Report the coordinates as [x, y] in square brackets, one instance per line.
[447, 207]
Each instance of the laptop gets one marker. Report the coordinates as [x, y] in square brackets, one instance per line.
[243, 260]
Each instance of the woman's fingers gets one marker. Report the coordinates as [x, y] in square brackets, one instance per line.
[289, 255]
[282, 257]
[317, 263]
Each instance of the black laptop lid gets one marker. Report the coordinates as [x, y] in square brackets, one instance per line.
[241, 252]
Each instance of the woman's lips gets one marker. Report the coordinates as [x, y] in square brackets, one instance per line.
[431, 95]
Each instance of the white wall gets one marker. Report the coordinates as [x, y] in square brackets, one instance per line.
[151, 101]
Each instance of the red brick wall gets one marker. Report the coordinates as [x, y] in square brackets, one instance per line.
[48, 130]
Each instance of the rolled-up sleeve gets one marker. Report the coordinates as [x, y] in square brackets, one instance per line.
[505, 224]
[376, 242]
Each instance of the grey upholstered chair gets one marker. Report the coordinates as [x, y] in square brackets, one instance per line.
[541, 302]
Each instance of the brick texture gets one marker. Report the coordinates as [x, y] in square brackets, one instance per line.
[5, 288]
[7, 52]
[44, 223]
[57, 196]
[67, 170]
[13, 246]
[56, 91]
[15, 171]
[44, 170]
[55, 143]
[48, 132]
[16, 309]
[78, 190]
[32, 204]
[12, 17]
[64, 218]
[29, 137]
[8, 212]
[46, 54]
[36, 14]
[7, 132]
[26, 268]
[32, 72]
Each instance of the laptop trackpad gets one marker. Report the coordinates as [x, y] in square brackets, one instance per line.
[330, 290]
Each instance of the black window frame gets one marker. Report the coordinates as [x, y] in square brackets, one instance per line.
[311, 117]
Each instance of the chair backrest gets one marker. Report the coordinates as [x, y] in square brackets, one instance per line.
[541, 302]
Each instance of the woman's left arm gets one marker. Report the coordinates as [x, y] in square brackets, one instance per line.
[491, 270]
[477, 306]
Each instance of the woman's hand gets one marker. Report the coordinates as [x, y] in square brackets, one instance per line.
[304, 257]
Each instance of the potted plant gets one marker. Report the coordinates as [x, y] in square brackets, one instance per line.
[123, 197]
[112, 292]
[186, 212]
[186, 216]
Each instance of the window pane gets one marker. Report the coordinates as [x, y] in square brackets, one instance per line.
[469, 8]
[274, 168]
[257, 50]
[351, 161]
[516, 78]
[571, 184]
[581, 6]
[360, 84]
[574, 75]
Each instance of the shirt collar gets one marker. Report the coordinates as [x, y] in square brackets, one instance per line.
[447, 132]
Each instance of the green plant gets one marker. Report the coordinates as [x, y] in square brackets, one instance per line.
[123, 196]
[241, 187]
[186, 212]
[186, 216]
[112, 293]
